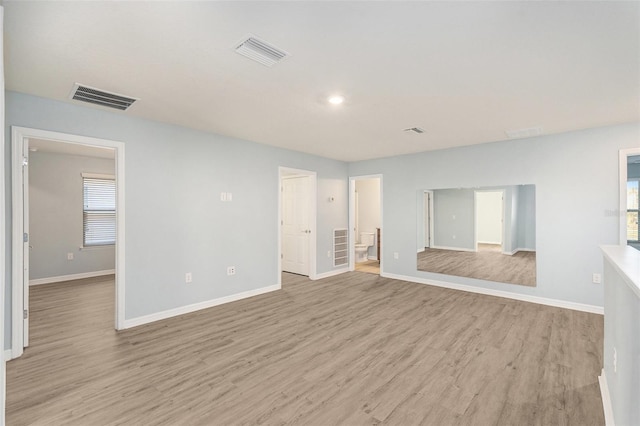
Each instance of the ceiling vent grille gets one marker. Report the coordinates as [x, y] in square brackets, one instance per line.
[95, 96]
[260, 51]
[414, 130]
[524, 133]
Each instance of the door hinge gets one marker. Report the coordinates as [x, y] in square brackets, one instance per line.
[25, 314]
[25, 161]
[25, 238]
[281, 256]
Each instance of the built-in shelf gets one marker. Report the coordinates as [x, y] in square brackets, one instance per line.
[340, 247]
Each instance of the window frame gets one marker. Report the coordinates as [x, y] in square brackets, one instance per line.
[637, 210]
[98, 176]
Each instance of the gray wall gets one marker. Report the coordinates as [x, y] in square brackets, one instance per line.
[175, 221]
[526, 217]
[55, 215]
[572, 207]
[453, 220]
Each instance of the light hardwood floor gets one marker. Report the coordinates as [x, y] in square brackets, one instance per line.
[370, 267]
[355, 349]
[488, 263]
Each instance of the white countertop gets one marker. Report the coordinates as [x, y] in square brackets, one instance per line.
[626, 260]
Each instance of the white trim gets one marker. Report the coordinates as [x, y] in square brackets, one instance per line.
[8, 355]
[331, 273]
[19, 138]
[499, 293]
[453, 248]
[146, 319]
[517, 250]
[352, 219]
[97, 176]
[3, 241]
[606, 400]
[431, 217]
[60, 278]
[284, 172]
[622, 212]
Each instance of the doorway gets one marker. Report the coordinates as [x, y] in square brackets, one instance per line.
[365, 224]
[297, 222]
[21, 138]
[489, 221]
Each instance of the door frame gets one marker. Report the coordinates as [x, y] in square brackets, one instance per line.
[429, 211]
[352, 220]
[288, 172]
[19, 142]
[622, 213]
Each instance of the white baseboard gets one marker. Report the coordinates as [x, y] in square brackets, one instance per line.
[8, 355]
[372, 258]
[146, 319]
[421, 250]
[331, 273]
[606, 400]
[499, 293]
[50, 280]
[452, 248]
[517, 250]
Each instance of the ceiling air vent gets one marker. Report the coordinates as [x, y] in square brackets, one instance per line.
[260, 51]
[414, 130]
[95, 96]
[525, 133]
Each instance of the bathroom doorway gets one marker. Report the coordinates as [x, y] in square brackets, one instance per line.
[489, 221]
[365, 224]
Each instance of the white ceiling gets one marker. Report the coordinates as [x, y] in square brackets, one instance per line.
[464, 71]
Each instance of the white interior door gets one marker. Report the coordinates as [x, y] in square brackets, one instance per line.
[26, 240]
[296, 231]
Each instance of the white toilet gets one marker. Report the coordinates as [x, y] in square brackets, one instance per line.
[367, 239]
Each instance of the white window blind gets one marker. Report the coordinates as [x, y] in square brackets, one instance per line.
[99, 212]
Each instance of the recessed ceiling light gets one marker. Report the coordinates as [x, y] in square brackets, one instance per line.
[336, 99]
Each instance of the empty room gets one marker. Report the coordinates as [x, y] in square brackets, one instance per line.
[315, 213]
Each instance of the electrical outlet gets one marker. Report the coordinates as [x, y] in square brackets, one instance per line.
[329, 253]
[231, 270]
[396, 255]
[597, 278]
[223, 196]
[69, 256]
[188, 277]
[229, 196]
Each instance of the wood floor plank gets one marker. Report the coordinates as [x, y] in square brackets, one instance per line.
[355, 349]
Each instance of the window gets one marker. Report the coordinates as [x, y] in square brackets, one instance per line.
[633, 203]
[99, 211]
